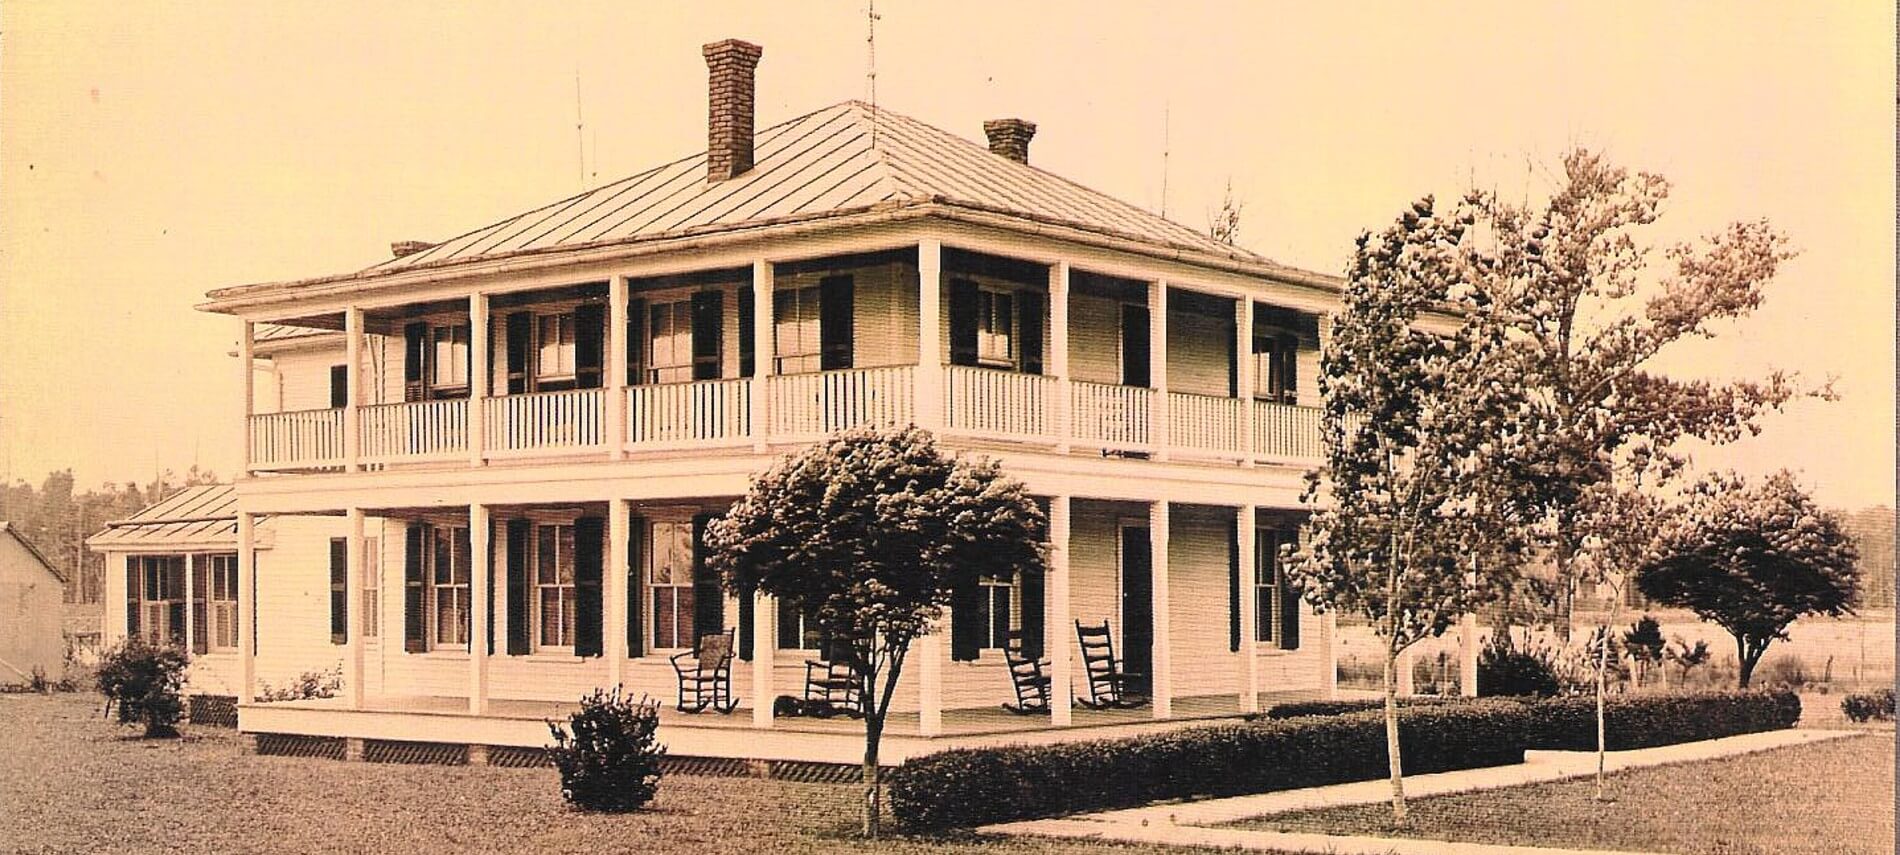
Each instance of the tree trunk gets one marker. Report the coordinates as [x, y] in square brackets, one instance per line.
[1747, 661]
[873, 733]
[1392, 732]
[1603, 670]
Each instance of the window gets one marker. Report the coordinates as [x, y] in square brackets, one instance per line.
[449, 569]
[998, 609]
[995, 328]
[670, 579]
[450, 367]
[670, 342]
[795, 343]
[554, 586]
[161, 597]
[555, 358]
[223, 614]
[1273, 358]
[1266, 585]
[372, 587]
[797, 629]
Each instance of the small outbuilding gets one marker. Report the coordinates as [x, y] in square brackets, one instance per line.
[31, 614]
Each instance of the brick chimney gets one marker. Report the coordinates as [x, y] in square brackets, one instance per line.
[408, 247]
[729, 67]
[1010, 137]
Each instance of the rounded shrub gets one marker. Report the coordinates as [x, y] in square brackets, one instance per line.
[608, 752]
[145, 683]
[1870, 706]
[1504, 668]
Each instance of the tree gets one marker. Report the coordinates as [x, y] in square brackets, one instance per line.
[1405, 530]
[1644, 641]
[1752, 560]
[146, 682]
[1223, 225]
[870, 533]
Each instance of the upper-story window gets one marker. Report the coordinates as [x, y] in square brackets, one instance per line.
[555, 336]
[1275, 367]
[670, 342]
[796, 343]
[450, 368]
[995, 327]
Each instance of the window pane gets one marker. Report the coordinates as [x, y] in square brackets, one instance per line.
[547, 556]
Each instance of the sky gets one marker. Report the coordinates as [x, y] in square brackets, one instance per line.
[149, 153]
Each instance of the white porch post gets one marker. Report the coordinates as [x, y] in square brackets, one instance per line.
[353, 688]
[1244, 522]
[1059, 357]
[1329, 681]
[1163, 655]
[247, 604]
[1468, 655]
[352, 393]
[1060, 621]
[763, 357]
[617, 345]
[480, 378]
[247, 359]
[480, 558]
[931, 651]
[191, 585]
[929, 405]
[1244, 377]
[1158, 372]
[764, 647]
[613, 641]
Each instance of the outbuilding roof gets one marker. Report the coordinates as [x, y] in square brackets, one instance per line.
[204, 516]
[9, 530]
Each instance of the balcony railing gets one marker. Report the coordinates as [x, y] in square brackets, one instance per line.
[977, 402]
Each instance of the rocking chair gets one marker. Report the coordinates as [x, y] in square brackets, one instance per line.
[1108, 683]
[1028, 676]
[832, 688]
[705, 675]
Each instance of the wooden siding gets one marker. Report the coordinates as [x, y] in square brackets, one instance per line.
[1200, 353]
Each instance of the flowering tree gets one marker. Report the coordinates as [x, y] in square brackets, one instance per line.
[1752, 560]
[870, 532]
[1406, 531]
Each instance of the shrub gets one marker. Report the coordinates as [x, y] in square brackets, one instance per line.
[969, 787]
[1791, 671]
[611, 761]
[1301, 709]
[308, 685]
[1504, 668]
[1871, 706]
[1649, 720]
[145, 681]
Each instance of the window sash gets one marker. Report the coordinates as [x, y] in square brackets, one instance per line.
[1266, 585]
[999, 610]
[449, 575]
[996, 327]
[372, 587]
[554, 610]
[669, 579]
[670, 342]
[796, 344]
[1272, 361]
[556, 348]
[450, 369]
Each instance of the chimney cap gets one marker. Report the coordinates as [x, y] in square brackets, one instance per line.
[736, 48]
[1010, 137]
[408, 247]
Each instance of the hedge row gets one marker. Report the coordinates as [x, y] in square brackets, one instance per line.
[969, 787]
[1301, 709]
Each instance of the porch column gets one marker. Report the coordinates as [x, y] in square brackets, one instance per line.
[613, 640]
[764, 647]
[1163, 643]
[1060, 622]
[929, 405]
[1244, 528]
[1244, 379]
[479, 378]
[1158, 372]
[353, 689]
[1468, 655]
[763, 357]
[352, 397]
[617, 345]
[1329, 681]
[480, 558]
[247, 605]
[930, 656]
[247, 359]
[191, 585]
[1059, 357]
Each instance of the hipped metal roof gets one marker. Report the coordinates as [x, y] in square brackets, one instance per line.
[196, 517]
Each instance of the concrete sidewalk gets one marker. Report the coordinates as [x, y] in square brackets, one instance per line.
[1185, 823]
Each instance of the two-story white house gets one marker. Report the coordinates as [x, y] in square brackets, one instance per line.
[520, 431]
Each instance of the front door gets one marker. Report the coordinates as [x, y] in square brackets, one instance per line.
[1134, 640]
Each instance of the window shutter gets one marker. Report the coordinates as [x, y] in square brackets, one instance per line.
[787, 623]
[589, 537]
[519, 591]
[1135, 356]
[486, 564]
[1029, 326]
[415, 637]
[709, 324]
[132, 580]
[1233, 589]
[836, 312]
[966, 621]
[339, 386]
[1290, 353]
[747, 354]
[1289, 602]
[518, 331]
[962, 322]
[636, 537]
[462, 541]
[590, 341]
[709, 601]
[746, 609]
[1032, 614]
[339, 586]
[415, 339]
[200, 613]
[636, 343]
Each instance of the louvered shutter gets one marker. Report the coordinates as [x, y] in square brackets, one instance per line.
[462, 542]
[590, 341]
[709, 324]
[746, 609]
[132, 567]
[709, 600]
[747, 350]
[636, 538]
[415, 638]
[963, 322]
[1135, 356]
[1289, 600]
[787, 623]
[589, 538]
[966, 621]
[1290, 354]
[836, 312]
[415, 340]
[636, 341]
[200, 611]
[1033, 623]
[339, 386]
[518, 332]
[519, 591]
[339, 590]
[1233, 591]
[1029, 325]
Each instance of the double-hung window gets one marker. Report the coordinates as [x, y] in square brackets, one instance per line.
[797, 628]
[554, 587]
[161, 595]
[997, 608]
[372, 586]
[1273, 357]
[223, 613]
[670, 585]
[554, 358]
[796, 345]
[449, 371]
[449, 572]
[1266, 585]
[670, 342]
[995, 328]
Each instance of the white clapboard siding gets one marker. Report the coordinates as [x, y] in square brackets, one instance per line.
[1200, 353]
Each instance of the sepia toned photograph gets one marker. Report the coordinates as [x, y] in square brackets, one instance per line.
[924, 427]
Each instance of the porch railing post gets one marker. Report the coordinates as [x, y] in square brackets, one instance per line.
[764, 647]
[480, 558]
[617, 344]
[353, 670]
[928, 408]
[1061, 616]
[1329, 681]
[1163, 636]
[763, 357]
[1059, 359]
[1158, 413]
[479, 379]
[1244, 522]
[352, 389]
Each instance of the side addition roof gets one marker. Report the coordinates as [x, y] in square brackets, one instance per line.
[196, 517]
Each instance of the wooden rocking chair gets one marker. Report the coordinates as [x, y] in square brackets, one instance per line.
[832, 688]
[705, 675]
[1108, 683]
[1029, 677]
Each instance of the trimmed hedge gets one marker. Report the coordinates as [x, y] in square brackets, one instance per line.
[968, 787]
[1301, 709]
[1869, 706]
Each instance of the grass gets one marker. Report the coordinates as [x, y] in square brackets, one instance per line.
[1833, 797]
[72, 782]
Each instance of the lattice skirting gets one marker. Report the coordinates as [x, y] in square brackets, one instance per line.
[424, 753]
[510, 756]
[214, 710]
[706, 767]
[816, 773]
[293, 745]
[517, 757]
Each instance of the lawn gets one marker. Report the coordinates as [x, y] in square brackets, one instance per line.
[1833, 797]
[71, 782]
